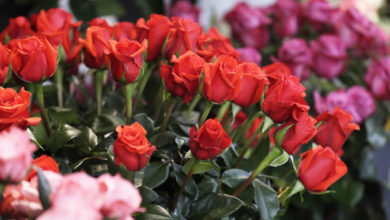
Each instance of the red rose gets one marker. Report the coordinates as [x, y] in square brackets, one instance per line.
[156, 31]
[96, 40]
[183, 37]
[276, 71]
[45, 163]
[72, 48]
[221, 80]
[284, 100]
[183, 78]
[239, 119]
[124, 30]
[209, 141]
[4, 63]
[126, 59]
[320, 168]
[132, 148]
[55, 25]
[335, 129]
[300, 133]
[14, 109]
[33, 59]
[18, 28]
[252, 85]
[100, 23]
[252, 129]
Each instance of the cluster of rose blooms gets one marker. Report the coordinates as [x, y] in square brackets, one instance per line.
[190, 59]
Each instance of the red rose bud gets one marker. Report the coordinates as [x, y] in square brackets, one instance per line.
[300, 133]
[124, 30]
[209, 141]
[55, 25]
[156, 31]
[14, 109]
[44, 162]
[239, 119]
[252, 85]
[284, 100]
[95, 42]
[335, 129]
[33, 59]
[320, 168]
[72, 48]
[132, 148]
[18, 28]
[221, 80]
[183, 37]
[183, 78]
[98, 22]
[252, 129]
[126, 59]
[275, 72]
[4, 63]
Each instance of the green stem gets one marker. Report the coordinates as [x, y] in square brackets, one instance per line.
[41, 105]
[183, 185]
[246, 126]
[129, 89]
[206, 111]
[58, 77]
[193, 104]
[148, 71]
[222, 110]
[99, 77]
[158, 102]
[171, 106]
[274, 153]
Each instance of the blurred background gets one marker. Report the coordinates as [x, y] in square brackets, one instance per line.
[363, 194]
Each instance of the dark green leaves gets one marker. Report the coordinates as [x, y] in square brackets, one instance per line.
[44, 189]
[234, 177]
[155, 174]
[266, 200]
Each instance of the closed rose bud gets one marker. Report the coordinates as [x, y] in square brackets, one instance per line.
[209, 141]
[132, 148]
[14, 109]
[319, 13]
[16, 156]
[156, 30]
[284, 100]
[124, 30]
[99, 22]
[33, 59]
[252, 85]
[286, 14]
[183, 78]
[301, 132]
[335, 129]
[378, 78]
[4, 63]
[184, 9]
[249, 54]
[221, 80]
[183, 37]
[95, 42]
[297, 55]
[18, 28]
[329, 54]
[44, 163]
[320, 168]
[126, 59]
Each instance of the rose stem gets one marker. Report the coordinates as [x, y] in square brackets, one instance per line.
[206, 111]
[58, 77]
[183, 185]
[148, 69]
[158, 103]
[193, 104]
[274, 153]
[99, 77]
[222, 110]
[171, 106]
[129, 89]
[41, 105]
[246, 126]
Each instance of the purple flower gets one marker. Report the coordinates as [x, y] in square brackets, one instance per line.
[286, 13]
[319, 13]
[185, 9]
[297, 55]
[378, 78]
[249, 54]
[329, 54]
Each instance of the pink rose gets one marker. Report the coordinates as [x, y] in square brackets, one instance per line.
[378, 78]
[319, 13]
[16, 154]
[249, 54]
[121, 198]
[329, 54]
[286, 13]
[184, 9]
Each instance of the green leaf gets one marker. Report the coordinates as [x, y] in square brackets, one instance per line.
[267, 124]
[235, 109]
[374, 126]
[298, 187]
[234, 177]
[207, 185]
[87, 140]
[162, 139]
[61, 136]
[190, 189]
[148, 195]
[83, 10]
[166, 95]
[115, 101]
[202, 166]
[63, 115]
[349, 192]
[154, 212]
[155, 174]
[43, 189]
[281, 160]
[229, 156]
[106, 123]
[266, 200]
[214, 206]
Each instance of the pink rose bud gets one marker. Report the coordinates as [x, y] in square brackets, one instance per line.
[16, 154]
[378, 78]
[185, 9]
[319, 13]
[286, 13]
[329, 54]
[249, 54]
